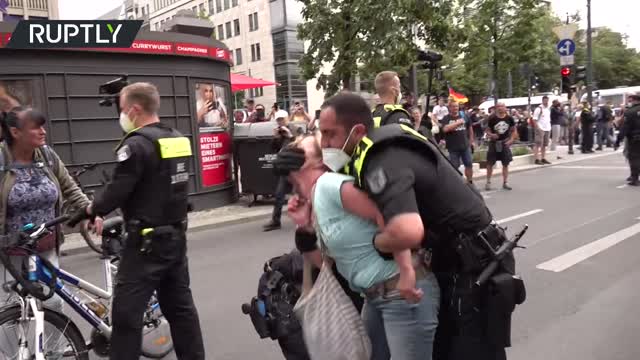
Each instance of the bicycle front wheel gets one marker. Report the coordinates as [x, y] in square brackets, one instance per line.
[156, 334]
[61, 337]
[91, 239]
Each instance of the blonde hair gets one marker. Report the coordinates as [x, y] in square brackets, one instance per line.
[144, 94]
[317, 150]
[384, 81]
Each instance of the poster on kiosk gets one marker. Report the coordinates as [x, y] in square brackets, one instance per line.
[214, 140]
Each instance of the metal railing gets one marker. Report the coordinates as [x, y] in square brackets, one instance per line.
[31, 4]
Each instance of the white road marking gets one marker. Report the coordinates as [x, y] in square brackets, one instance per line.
[582, 253]
[591, 167]
[515, 217]
[568, 230]
[622, 186]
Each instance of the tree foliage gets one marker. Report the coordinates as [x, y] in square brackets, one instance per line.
[614, 64]
[478, 38]
[365, 36]
[499, 37]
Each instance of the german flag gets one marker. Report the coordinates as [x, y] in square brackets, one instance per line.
[457, 97]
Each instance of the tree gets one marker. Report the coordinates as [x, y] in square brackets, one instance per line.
[614, 64]
[365, 36]
[498, 37]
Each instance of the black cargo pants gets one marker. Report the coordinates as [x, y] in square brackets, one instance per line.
[166, 270]
[462, 323]
[633, 155]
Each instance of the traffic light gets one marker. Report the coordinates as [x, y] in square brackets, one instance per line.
[567, 80]
[581, 73]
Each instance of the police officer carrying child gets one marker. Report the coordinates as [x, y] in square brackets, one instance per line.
[631, 130]
[389, 111]
[422, 196]
[150, 185]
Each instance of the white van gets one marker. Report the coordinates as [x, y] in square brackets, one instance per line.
[522, 101]
[617, 96]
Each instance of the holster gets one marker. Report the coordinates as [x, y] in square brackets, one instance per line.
[134, 227]
[504, 292]
[475, 251]
[486, 310]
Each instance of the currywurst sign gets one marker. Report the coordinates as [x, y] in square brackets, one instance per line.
[50, 34]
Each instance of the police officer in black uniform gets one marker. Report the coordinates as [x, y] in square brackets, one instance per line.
[150, 185]
[389, 111]
[631, 131]
[422, 196]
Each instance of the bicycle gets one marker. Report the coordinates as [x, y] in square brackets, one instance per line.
[41, 275]
[86, 233]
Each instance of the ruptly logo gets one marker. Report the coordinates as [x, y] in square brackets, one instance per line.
[50, 34]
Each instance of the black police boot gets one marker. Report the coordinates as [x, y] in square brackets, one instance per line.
[271, 225]
[634, 182]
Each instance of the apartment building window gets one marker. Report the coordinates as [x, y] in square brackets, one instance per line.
[257, 92]
[228, 29]
[253, 21]
[226, 4]
[234, 3]
[238, 57]
[148, 12]
[218, 5]
[220, 32]
[255, 52]
[211, 8]
[201, 8]
[236, 27]
[195, 9]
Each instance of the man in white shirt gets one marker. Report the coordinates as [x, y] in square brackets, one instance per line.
[542, 124]
[440, 111]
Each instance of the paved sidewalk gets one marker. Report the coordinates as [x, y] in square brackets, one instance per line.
[561, 151]
[241, 212]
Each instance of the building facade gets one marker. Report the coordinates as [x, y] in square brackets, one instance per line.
[260, 33]
[30, 9]
[130, 10]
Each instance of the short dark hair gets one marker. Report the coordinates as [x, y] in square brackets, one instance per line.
[545, 97]
[351, 109]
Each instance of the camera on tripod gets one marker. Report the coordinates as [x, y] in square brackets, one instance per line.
[111, 90]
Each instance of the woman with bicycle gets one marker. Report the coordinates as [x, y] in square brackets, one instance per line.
[34, 183]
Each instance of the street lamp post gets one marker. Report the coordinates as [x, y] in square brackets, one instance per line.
[589, 56]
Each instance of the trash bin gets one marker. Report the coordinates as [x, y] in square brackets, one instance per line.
[255, 155]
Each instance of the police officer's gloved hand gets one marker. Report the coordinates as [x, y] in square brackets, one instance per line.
[306, 241]
[289, 159]
[81, 214]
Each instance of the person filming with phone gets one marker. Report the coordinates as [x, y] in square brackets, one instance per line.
[211, 111]
[282, 136]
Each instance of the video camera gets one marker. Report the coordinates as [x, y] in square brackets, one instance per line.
[271, 312]
[111, 90]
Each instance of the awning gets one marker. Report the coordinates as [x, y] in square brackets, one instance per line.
[243, 82]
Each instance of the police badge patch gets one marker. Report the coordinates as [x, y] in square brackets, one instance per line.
[376, 180]
[124, 153]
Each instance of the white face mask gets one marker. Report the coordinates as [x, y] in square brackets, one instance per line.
[336, 159]
[125, 123]
[399, 97]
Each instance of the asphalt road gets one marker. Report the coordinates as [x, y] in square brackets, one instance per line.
[582, 304]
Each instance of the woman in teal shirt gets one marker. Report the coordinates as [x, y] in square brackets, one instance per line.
[402, 297]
